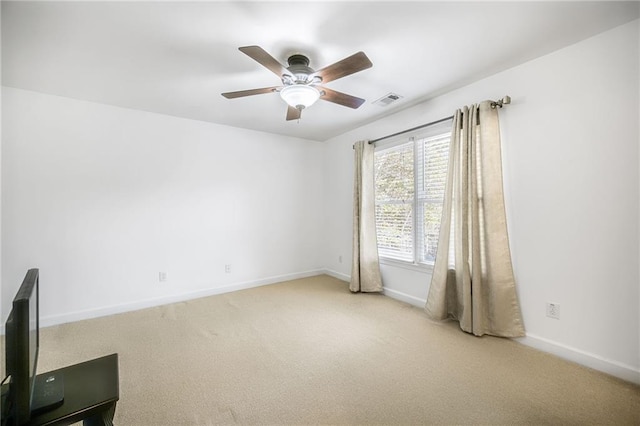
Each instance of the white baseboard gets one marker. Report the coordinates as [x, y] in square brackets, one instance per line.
[394, 294]
[596, 362]
[174, 298]
[403, 297]
[338, 275]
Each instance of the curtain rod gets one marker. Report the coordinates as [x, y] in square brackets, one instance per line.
[504, 101]
[412, 129]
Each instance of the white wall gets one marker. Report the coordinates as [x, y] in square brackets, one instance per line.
[571, 158]
[102, 199]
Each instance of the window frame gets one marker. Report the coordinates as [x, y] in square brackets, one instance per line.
[419, 199]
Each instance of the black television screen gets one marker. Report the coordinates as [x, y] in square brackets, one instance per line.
[21, 347]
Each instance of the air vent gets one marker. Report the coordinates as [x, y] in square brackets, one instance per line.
[388, 99]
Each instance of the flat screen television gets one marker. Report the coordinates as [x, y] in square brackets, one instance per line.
[26, 394]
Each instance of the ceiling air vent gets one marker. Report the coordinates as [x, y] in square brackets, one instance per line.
[387, 99]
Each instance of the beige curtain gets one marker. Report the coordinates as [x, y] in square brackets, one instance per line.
[473, 281]
[365, 269]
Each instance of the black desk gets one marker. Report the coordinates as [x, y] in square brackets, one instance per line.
[90, 388]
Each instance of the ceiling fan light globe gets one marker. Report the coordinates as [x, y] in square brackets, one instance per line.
[300, 96]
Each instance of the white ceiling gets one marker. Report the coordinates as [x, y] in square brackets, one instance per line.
[176, 58]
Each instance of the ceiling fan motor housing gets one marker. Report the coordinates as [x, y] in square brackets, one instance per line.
[299, 67]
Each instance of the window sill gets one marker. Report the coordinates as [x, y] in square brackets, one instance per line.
[418, 267]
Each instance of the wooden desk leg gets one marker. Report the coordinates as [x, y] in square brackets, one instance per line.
[102, 419]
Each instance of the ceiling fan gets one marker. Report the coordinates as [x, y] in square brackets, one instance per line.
[301, 85]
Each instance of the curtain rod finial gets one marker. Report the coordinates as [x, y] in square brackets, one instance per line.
[504, 101]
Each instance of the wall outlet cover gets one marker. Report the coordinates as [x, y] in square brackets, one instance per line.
[553, 310]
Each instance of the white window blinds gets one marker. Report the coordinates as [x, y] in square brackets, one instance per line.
[395, 187]
[410, 178]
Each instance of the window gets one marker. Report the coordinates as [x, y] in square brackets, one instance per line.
[410, 178]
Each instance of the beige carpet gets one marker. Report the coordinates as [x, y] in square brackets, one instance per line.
[310, 352]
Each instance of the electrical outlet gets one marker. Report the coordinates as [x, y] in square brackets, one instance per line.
[340, 259]
[553, 310]
[227, 268]
[162, 276]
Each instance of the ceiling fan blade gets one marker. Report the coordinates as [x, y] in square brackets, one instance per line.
[340, 98]
[250, 92]
[293, 113]
[351, 65]
[258, 54]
